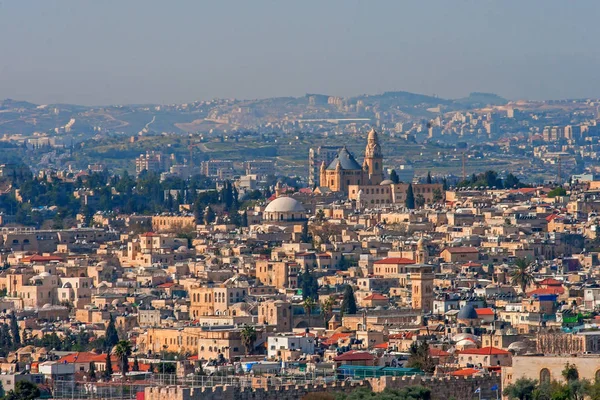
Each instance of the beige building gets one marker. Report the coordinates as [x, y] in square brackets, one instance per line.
[344, 171]
[281, 274]
[172, 223]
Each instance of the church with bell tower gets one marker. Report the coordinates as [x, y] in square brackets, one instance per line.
[344, 171]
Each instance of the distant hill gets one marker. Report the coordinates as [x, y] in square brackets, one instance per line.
[479, 99]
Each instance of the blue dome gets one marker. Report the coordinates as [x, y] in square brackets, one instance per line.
[346, 161]
[467, 312]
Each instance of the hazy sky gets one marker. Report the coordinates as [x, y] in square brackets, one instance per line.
[136, 51]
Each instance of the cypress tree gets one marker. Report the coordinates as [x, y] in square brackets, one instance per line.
[209, 216]
[111, 337]
[410, 197]
[14, 329]
[108, 370]
[394, 177]
[429, 177]
[136, 364]
[92, 371]
[349, 301]
[198, 212]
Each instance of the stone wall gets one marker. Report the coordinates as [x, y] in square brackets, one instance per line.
[443, 388]
[236, 393]
[446, 388]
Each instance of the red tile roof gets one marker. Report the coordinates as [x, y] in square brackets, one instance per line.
[485, 351]
[395, 260]
[465, 372]
[376, 296]
[384, 345]
[38, 258]
[433, 352]
[551, 282]
[484, 311]
[166, 285]
[335, 338]
[548, 290]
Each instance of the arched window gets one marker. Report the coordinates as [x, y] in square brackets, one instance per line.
[545, 375]
[597, 376]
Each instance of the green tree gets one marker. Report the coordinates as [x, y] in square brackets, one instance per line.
[136, 364]
[308, 304]
[437, 195]
[24, 390]
[305, 237]
[248, 336]
[570, 372]
[420, 357]
[209, 216]
[579, 388]
[92, 371]
[111, 336]
[108, 371]
[522, 389]
[420, 200]
[394, 177]
[410, 197]
[349, 301]
[557, 191]
[327, 309]
[429, 180]
[123, 351]
[309, 285]
[14, 329]
[522, 275]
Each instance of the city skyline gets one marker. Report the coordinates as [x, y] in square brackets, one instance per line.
[176, 53]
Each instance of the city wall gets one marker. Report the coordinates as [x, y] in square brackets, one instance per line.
[459, 388]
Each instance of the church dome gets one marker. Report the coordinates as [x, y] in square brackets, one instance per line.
[386, 182]
[467, 312]
[344, 160]
[284, 205]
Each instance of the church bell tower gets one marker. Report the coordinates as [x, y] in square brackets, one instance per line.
[374, 158]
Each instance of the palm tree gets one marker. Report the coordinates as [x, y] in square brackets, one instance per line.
[522, 274]
[308, 305]
[327, 307]
[123, 351]
[248, 335]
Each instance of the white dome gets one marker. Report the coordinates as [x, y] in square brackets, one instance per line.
[387, 182]
[44, 274]
[285, 204]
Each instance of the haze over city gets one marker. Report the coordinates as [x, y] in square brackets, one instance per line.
[313, 200]
[115, 52]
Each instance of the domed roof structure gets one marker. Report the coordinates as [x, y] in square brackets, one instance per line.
[467, 312]
[345, 160]
[285, 204]
[386, 182]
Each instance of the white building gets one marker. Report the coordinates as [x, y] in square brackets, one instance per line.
[278, 344]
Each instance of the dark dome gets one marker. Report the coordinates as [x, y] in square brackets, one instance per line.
[467, 312]
[346, 161]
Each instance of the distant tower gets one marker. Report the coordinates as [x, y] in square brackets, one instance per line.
[422, 256]
[421, 277]
[323, 175]
[278, 189]
[374, 158]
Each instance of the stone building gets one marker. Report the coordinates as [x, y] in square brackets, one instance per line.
[345, 171]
